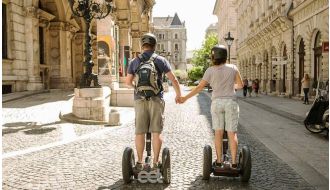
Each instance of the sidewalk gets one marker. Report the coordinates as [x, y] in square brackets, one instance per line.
[286, 105]
[31, 120]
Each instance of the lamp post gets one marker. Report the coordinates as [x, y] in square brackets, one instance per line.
[89, 10]
[229, 40]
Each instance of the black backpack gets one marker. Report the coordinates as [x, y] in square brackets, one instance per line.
[147, 83]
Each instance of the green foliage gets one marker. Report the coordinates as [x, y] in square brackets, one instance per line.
[201, 57]
[180, 74]
[196, 73]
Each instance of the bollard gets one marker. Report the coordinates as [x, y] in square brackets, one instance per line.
[114, 118]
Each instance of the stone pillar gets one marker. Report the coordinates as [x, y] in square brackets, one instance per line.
[32, 49]
[61, 35]
[78, 46]
[136, 45]
[124, 46]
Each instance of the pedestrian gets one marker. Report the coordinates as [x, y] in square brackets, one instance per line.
[249, 87]
[305, 85]
[149, 104]
[245, 87]
[224, 79]
[256, 87]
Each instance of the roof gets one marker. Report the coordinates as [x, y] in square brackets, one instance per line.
[167, 21]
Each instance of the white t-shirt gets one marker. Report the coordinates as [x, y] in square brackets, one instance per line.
[222, 80]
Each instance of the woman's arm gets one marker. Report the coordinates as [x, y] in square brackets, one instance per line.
[238, 81]
[194, 91]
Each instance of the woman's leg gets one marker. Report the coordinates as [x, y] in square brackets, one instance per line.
[233, 144]
[218, 135]
[305, 95]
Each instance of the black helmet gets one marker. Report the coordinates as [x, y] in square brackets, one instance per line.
[219, 52]
[149, 38]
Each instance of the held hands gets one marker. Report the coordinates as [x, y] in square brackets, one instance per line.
[180, 99]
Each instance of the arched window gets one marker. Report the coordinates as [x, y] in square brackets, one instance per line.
[176, 47]
[317, 56]
[301, 54]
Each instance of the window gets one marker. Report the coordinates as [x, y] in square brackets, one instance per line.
[175, 36]
[160, 36]
[158, 46]
[41, 45]
[4, 32]
[6, 89]
[176, 47]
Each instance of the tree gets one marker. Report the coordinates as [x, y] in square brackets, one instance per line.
[196, 73]
[201, 56]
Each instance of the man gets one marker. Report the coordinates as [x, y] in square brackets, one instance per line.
[149, 111]
[224, 79]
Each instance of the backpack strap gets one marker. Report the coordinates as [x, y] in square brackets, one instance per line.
[152, 59]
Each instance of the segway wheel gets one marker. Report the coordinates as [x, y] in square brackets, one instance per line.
[245, 164]
[207, 162]
[166, 166]
[314, 128]
[128, 162]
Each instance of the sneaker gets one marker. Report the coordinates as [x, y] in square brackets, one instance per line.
[216, 164]
[139, 166]
[156, 166]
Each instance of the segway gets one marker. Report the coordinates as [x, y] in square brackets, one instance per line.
[243, 169]
[146, 175]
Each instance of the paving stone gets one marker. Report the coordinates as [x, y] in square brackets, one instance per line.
[95, 163]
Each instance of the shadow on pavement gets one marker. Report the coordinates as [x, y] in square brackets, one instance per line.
[204, 103]
[219, 183]
[29, 128]
[39, 99]
[134, 185]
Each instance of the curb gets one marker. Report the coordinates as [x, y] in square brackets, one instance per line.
[73, 119]
[11, 98]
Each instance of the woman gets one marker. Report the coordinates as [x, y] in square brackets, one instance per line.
[305, 85]
[224, 79]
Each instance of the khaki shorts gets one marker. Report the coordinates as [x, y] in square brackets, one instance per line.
[149, 114]
[225, 113]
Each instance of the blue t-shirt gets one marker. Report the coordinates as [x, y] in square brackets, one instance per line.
[162, 65]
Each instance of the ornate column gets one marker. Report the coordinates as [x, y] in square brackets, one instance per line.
[308, 55]
[78, 56]
[61, 35]
[136, 45]
[32, 48]
[124, 46]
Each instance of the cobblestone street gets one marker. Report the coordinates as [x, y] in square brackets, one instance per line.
[94, 162]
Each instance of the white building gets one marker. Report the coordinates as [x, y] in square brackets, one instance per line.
[171, 36]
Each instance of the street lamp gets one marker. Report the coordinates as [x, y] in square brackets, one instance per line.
[89, 10]
[229, 40]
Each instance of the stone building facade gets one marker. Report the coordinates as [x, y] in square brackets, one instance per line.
[227, 22]
[43, 43]
[171, 34]
[280, 40]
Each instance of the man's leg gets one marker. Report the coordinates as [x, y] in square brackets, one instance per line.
[156, 145]
[218, 135]
[233, 143]
[139, 143]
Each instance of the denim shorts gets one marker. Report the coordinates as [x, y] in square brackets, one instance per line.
[225, 113]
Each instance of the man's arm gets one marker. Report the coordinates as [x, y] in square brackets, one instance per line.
[129, 81]
[176, 85]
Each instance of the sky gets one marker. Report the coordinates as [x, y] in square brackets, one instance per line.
[197, 14]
